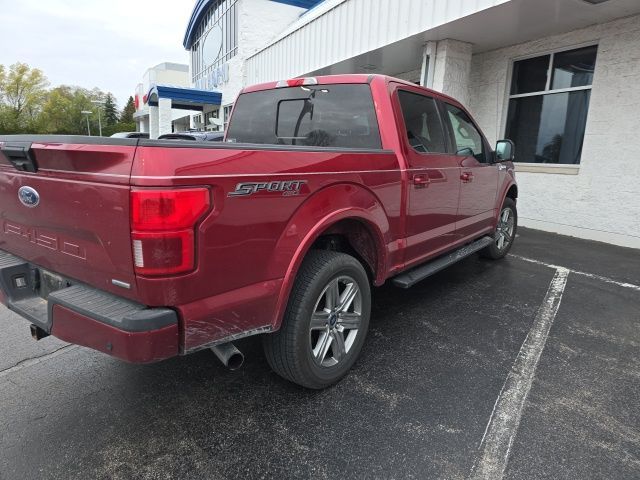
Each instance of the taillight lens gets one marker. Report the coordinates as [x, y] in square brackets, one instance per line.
[163, 228]
[168, 209]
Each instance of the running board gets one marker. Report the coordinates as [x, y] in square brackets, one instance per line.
[410, 278]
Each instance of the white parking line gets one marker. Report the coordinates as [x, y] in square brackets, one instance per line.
[578, 272]
[507, 411]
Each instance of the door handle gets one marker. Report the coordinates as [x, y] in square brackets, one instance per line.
[421, 180]
[466, 177]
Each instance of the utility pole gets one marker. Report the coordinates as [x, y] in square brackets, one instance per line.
[87, 113]
[99, 103]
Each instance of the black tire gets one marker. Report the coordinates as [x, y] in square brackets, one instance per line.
[289, 351]
[493, 251]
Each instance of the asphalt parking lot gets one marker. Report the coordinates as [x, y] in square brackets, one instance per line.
[524, 368]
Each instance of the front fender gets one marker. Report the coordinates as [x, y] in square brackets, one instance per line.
[504, 189]
[505, 185]
[323, 209]
[506, 182]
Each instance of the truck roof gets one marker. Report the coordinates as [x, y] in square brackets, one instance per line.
[344, 78]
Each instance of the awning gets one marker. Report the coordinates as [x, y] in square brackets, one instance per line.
[300, 3]
[182, 97]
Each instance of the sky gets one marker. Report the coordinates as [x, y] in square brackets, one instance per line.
[107, 44]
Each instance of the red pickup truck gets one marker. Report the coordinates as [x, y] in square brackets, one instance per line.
[148, 249]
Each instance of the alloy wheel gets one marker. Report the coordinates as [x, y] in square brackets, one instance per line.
[335, 321]
[505, 228]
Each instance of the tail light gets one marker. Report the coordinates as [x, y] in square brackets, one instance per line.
[163, 228]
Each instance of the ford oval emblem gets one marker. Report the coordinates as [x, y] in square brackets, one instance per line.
[29, 197]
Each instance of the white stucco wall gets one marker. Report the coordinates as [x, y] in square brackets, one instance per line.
[601, 202]
[165, 116]
[162, 74]
[165, 74]
[259, 21]
[452, 69]
[154, 126]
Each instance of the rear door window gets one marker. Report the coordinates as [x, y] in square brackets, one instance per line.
[340, 116]
[422, 122]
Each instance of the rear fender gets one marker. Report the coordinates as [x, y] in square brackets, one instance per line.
[317, 215]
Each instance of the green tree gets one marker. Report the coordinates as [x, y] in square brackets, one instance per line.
[27, 106]
[110, 110]
[2, 80]
[128, 111]
[4, 111]
[23, 94]
[118, 127]
[62, 112]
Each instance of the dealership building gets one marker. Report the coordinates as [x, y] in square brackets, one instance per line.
[558, 77]
[147, 116]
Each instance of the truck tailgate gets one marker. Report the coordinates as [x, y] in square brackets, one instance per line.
[70, 215]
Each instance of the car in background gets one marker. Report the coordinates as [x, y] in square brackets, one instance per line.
[130, 135]
[194, 136]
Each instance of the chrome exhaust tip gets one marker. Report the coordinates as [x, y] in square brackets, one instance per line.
[229, 355]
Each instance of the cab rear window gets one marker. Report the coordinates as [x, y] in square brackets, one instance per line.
[340, 116]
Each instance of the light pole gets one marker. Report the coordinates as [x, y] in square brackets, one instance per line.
[99, 103]
[87, 113]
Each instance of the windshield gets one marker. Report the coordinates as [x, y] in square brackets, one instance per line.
[319, 116]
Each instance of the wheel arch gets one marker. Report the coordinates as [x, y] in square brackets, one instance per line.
[345, 211]
[508, 190]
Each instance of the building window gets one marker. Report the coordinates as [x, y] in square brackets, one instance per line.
[197, 121]
[216, 40]
[208, 124]
[548, 105]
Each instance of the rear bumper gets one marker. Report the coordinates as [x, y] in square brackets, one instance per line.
[137, 347]
[86, 316]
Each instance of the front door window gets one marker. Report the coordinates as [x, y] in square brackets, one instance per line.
[467, 137]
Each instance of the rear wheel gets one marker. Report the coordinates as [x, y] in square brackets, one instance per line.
[505, 232]
[325, 323]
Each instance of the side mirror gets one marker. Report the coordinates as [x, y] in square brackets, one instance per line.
[505, 151]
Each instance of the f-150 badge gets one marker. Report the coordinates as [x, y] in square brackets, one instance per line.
[286, 188]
